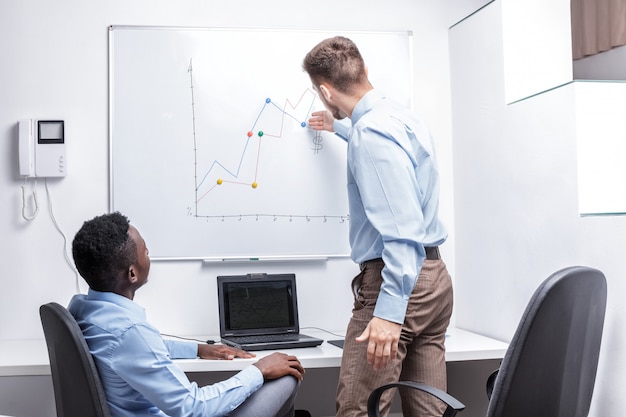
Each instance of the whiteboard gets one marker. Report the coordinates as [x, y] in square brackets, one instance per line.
[210, 153]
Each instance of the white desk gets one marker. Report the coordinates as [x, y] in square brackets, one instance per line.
[30, 357]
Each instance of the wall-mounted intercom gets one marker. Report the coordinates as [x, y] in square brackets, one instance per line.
[42, 148]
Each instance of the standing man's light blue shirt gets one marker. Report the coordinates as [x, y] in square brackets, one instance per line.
[393, 196]
[136, 368]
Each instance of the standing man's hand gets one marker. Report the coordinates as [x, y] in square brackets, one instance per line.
[278, 364]
[322, 120]
[383, 338]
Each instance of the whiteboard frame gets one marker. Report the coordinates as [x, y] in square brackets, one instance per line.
[325, 32]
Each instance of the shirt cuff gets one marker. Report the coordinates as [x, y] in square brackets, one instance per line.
[179, 349]
[251, 377]
[390, 308]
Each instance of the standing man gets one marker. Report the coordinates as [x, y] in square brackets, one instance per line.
[403, 295]
[135, 363]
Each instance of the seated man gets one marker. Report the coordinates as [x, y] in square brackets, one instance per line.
[134, 361]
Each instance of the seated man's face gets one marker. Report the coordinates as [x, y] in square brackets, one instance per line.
[142, 267]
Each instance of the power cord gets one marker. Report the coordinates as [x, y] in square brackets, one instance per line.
[58, 228]
[208, 342]
[324, 330]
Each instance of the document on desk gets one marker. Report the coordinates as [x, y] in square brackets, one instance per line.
[338, 343]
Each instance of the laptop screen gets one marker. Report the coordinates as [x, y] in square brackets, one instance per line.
[257, 304]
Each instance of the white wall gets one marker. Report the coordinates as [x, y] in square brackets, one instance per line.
[516, 201]
[530, 38]
[608, 65]
[55, 65]
[600, 132]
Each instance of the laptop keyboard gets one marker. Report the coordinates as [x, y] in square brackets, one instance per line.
[264, 338]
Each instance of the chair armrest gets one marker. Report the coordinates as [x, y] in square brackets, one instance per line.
[453, 405]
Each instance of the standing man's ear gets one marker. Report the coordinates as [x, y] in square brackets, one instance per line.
[325, 91]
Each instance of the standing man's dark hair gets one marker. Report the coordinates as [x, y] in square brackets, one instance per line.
[102, 249]
[398, 324]
[336, 61]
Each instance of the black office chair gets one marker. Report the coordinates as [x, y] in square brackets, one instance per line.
[78, 390]
[549, 369]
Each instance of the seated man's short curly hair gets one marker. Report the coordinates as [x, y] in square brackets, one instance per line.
[102, 249]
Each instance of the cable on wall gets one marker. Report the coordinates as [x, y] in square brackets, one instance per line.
[58, 228]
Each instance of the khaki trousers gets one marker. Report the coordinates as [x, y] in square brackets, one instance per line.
[421, 350]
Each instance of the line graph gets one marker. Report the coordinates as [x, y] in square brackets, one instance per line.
[250, 136]
[246, 169]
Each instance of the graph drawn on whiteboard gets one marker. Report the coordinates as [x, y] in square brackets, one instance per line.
[210, 152]
[265, 140]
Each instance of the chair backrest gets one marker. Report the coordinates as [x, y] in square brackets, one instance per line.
[549, 369]
[78, 390]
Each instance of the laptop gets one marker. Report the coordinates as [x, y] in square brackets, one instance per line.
[260, 312]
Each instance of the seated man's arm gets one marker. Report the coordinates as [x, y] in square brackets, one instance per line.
[180, 349]
[143, 360]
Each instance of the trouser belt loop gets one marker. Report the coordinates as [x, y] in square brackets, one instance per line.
[432, 253]
[363, 265]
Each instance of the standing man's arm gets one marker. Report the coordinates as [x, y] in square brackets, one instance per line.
[385, 175]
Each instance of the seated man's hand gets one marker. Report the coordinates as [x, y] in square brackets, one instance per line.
[222, 352]
[278, 364]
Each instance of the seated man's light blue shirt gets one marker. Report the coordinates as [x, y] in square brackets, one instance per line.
[136, 368]
[393, 196]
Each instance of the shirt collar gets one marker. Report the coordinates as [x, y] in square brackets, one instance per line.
[365, 104]
[119, 300]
